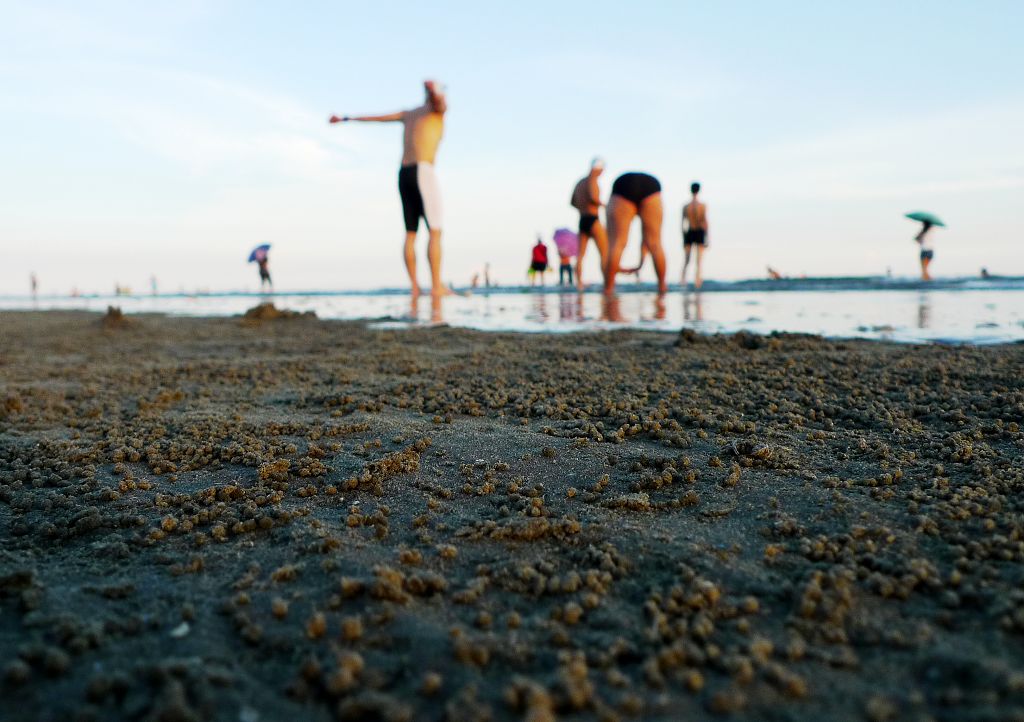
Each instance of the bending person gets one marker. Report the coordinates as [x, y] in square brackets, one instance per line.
[586, 198]
[417, 181]
[634, 195]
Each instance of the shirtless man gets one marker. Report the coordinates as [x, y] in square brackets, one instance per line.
[634, 195]
[417, 182]
[695, 233]
[586, 198]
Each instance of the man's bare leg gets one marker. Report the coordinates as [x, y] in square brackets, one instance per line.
[437, 287]
[700, 268]
[410, 260]
[584, 238]
[687, 248]
[620, 214]
[925, 276]
[651, 213]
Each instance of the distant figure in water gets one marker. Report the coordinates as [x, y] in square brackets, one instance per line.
[985, 274]
[33, 282]
[564, 269]
[152, 285]
[417, 181]
[475, 281]
[695, 233]
[538, 262]
[634, 195]
[927, 252]
[487, 275]
[774, 275]
[586, 198]
[265, 281]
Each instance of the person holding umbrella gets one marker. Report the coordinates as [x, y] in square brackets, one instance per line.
[259, 257]
[417, 182]
[928, 221]
[568, 245]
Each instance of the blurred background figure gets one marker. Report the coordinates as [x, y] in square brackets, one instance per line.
[33, 282]
[695, 234]
[487, 275]
[774, 275]
[260, 256]
[418, 187]
[586, 198]
[538, 262]
[568, 245]
[923, 238]
[153, 286]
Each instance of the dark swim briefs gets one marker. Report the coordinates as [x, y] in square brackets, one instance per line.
[635, 187]
[421, 197]
[539, 266]
[694, 237]
[927, 255]
[587, 222]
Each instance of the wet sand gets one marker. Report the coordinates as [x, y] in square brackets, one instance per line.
[234, 519]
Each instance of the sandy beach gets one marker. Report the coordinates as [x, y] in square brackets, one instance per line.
[264, 519]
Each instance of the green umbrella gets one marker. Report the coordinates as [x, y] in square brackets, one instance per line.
[924, 217]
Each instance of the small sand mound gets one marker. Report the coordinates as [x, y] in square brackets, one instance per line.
[114, 318]
[270, 312]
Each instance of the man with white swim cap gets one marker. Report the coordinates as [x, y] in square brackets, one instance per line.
[417, 181]
[586, 198]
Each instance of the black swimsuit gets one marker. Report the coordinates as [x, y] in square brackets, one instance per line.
[635, 187]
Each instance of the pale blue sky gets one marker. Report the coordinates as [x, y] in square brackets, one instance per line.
[168, 138]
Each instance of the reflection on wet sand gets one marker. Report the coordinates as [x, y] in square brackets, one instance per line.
[436, 307]
[693, 307]
[611, 308]
[570, 306]
[924, 311]
[540, 308]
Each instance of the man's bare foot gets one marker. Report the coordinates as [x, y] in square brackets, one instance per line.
[442, 291]
[415, 290]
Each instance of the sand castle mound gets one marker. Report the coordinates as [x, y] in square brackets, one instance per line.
[270, 312]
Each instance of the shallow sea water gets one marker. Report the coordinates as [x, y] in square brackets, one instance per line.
[945, 313]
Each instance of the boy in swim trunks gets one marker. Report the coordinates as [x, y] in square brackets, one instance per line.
[695, 233]
[417, 181]
[634, 195]
[586, 198]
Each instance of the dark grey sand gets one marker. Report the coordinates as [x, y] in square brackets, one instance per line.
[294, 519]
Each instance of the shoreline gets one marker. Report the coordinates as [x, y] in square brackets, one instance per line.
[241, 519]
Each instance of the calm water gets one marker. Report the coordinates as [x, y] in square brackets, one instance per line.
[950, 311]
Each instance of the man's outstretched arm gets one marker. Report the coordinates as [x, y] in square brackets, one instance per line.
[388, 118]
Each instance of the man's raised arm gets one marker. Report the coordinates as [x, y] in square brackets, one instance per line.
[389, 118]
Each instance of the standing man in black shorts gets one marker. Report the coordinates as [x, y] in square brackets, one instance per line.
[417, 181]
[695, 233]
[586, 198]
[633, 195]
